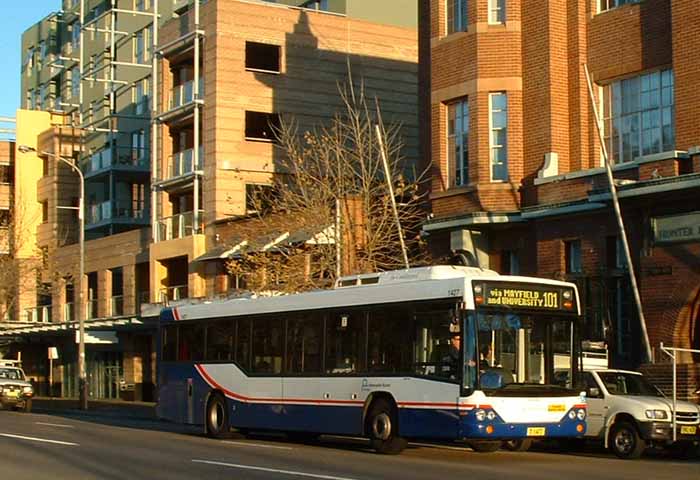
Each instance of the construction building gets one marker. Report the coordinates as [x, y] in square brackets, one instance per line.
[518, 177]
[167, 107]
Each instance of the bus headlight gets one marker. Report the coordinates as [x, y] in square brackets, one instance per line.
[567, 294]
[581, 414]
[480, 415]
[491, 415]
[572, 414]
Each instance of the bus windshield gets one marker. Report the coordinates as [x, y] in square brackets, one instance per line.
[517, 351]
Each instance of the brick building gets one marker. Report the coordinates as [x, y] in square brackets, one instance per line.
[517, 165]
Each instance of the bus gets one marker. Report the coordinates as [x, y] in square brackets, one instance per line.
[444, 353]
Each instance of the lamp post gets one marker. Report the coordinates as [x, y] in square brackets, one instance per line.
[82, 374]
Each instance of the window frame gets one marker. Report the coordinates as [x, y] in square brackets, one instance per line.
[250, 46]
[500, 7]
[459, 22]
[492, 145]
[458, 142]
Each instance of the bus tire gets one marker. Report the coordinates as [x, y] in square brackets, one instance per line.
[217, 416]
[485, 446]
[382, 427]
[518, 445]
[625, 441]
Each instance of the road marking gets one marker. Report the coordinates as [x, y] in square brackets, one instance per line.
[35, 439]
[255, 445]
[272, 470]
[54, 425]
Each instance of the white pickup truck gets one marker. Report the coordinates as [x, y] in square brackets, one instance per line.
[629, 414]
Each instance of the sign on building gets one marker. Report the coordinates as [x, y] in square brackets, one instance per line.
[677, 228]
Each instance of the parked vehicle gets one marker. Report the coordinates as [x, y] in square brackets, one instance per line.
[629, 414]
[15, 391]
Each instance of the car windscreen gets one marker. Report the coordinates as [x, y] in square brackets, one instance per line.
[11, 374]
[620, 383]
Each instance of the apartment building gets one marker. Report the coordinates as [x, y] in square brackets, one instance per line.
[518, 178]
[169, 122]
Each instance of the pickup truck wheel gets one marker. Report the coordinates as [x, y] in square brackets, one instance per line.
[625, 441]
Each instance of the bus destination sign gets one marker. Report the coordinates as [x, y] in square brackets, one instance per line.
[527, 296]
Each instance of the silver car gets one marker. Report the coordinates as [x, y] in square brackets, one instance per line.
[15, 391]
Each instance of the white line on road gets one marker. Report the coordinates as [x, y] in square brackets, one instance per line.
[256, 445]
[271, 470]
[54, 425]
[35, 439]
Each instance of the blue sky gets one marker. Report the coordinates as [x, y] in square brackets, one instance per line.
[17, 16]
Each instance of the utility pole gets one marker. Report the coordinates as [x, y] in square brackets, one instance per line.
[620, 222]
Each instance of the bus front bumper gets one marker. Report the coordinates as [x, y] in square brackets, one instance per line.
[505, 431]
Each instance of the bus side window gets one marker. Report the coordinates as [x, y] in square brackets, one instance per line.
[242, 351]
[268, 335]
[304, 334]
[389, 340]
[169, 343]
[191, 342]
[345, 343]
[220, 340]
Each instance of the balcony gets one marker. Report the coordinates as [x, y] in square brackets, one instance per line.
[182, 100]
[69, 312]
[121, 158]
[112, 211]
[171, 294]
[117, 305]
[181, 167]
[178, 226]
[41, 314]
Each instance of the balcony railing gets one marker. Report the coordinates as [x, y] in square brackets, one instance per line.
[178, 226]
[40, 314]
[117, 305]
[114, 209]
[69, 312]
[182, 163]
[116, 156]
[169, 294]
[91, 309]
[184, 93]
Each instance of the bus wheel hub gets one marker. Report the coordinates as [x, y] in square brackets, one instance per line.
[381, 426]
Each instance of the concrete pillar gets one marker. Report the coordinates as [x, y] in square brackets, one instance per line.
[58, 301]
[129, 273]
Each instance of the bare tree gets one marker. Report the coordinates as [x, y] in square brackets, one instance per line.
[330, 197]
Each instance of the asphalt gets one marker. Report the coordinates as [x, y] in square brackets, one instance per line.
[87, 445]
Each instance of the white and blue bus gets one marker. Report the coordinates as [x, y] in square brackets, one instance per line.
[443, 352]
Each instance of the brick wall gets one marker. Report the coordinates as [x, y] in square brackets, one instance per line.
[686, 45]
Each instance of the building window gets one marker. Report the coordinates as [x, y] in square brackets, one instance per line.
[138, 145]
[456, 16]
[28, 62]
[639, 116]
[45, 166]
[44, 211]
[140, 47]
[258, 198]
[610, 4]
[6, 173]
[141, 97]
[573, 256]
[75, 83]
[498, 121]
[497, 11]
[510, 262]
[75, 36]
[458, 142]
[261, 125]
[260, 56]
[142, 5]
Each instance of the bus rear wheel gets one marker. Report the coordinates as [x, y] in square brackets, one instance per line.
[217, 416]
[485, 446]
[382, 426]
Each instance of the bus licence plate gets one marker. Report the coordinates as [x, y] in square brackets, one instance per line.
[688, 430]
[535, 431]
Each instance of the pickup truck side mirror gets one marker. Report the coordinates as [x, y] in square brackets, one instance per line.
[594, 392]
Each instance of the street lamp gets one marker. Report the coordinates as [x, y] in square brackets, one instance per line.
[82, 375]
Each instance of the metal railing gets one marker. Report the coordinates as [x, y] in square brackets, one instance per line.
[671, 352]
[169, 294]
[40, 314]
[112, 209]
[182, 163]
[117, 305]
[178, 226]
[184, 93]
[115, 156]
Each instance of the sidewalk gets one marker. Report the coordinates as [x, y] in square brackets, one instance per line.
[111, 408]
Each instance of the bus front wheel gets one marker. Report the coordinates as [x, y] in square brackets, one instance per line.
[382, 427]
[485, 446]
[217, 417]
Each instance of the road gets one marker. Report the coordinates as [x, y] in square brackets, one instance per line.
[38, 446]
